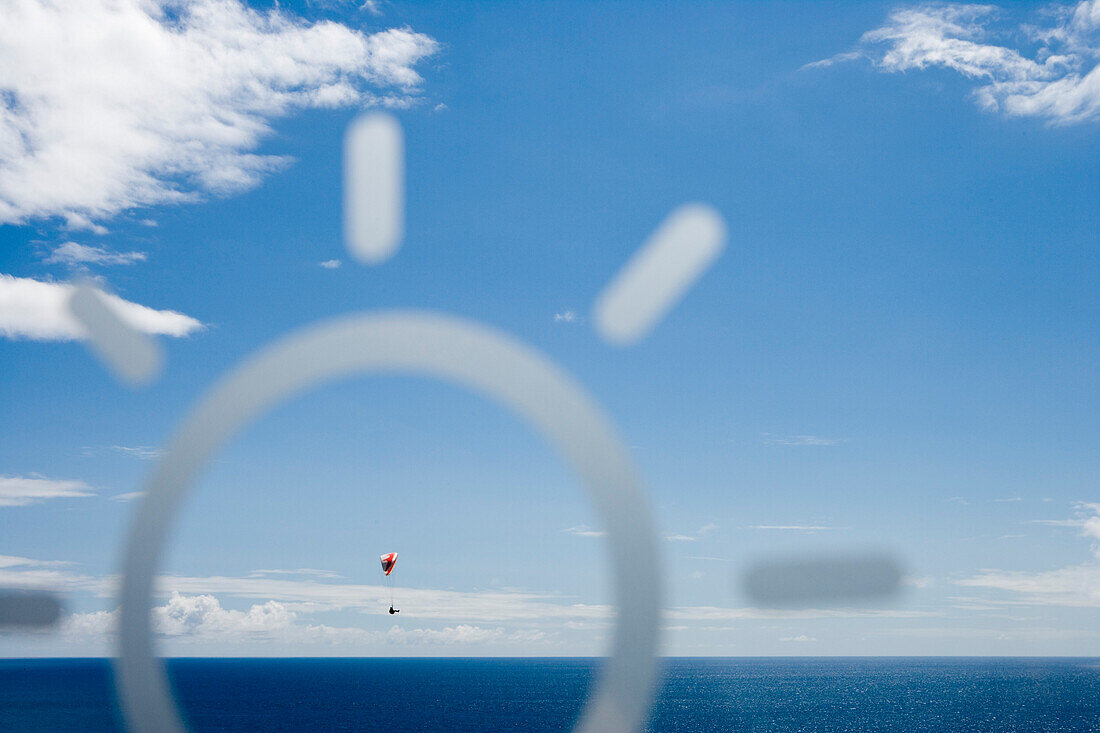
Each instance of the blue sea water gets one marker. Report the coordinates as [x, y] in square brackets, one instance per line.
[696, 695]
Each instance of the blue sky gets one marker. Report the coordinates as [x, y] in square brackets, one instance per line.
[896, 351]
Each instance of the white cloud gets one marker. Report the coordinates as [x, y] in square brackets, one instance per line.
[20, 490]
[203, 618]
[25, 572]
[1027, 633]
[583, 530]
[701, 533]
[1059, 81]
[312, 572]
[128, 496]
[423, 603]
[460, 634]
[840, 57]
[73, 254]
[144, 452]
[772, 439]
[566, 317]
[791, 527]
[1088, 519]
[109, 105]
[800, 638]
[330, 264]
[205, 615]
[918, 581]
[74, 220]
[1008, 500]
[1076, 585]
[14, 561]
[314, 594]
[279, 615]
[38, 310]
[718, 613]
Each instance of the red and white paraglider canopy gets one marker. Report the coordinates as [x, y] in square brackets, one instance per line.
[388, 561]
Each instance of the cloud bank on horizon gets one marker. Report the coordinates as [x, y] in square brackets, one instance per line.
[141, 102]
[1059, 81]
[283, 604]
[203, 618]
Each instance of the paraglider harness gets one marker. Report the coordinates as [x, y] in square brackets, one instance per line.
[393, 611]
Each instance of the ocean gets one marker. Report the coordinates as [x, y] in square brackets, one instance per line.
[696, 695]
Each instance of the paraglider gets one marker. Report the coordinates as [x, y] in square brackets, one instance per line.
[388, 562]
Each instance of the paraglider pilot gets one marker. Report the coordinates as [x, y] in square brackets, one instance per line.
[388, 561]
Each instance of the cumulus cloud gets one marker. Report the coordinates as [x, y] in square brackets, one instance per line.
[38, 310]
[77, 255]
[279, 615]
[205, 615]
[107, 105]
[460, 634]
[21, 491]
[312, 593]
[1059, 80]
[330, 264]
[203, 618]
[315, 594]
[201, 615]
[470, 606]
